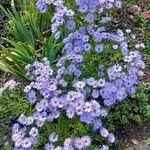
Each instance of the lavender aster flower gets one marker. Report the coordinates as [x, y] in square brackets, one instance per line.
[79, 85]
[86, 117]
[68, 142]
[105, 19]
[104, 147]
[99, 48]
[87, 107]
[95, 93]
[97, 124]
[33, 132]
[86, 141]
[53, 137]
[41, 5]
[78, 143]
[111, 138]
[83, 8]
[121, 94]
[87, 47]
[26, 143]
[90, 18]
[70, 25]
[104, 112]
[110, 101]
[49, 146]
[104, 132]
[70, 112]
[118, 3]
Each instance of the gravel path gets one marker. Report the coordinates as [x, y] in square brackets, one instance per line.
[136, 138]
[142, 145]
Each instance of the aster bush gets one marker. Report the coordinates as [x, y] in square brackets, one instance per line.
[72, 99]
[44, 92]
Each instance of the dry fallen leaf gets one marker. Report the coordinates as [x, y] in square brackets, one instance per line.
[134, 141]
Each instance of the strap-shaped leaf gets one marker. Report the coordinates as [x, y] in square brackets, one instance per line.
[8, 68]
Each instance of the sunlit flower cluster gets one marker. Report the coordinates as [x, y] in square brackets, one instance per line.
[58, 19]
[69, 143]
[11, 84]
[94, 7]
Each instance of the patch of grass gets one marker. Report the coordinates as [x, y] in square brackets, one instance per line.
[12, 104]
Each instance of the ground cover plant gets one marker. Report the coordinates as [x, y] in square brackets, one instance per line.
[78, 98]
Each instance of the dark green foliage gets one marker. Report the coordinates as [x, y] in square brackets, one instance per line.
[2, 30]
[142, 29]
[92, 60]
[144, 100]
[51, 48]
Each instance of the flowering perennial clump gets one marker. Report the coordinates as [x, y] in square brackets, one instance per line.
[120, 79]
[80, 100]
[73, 102]
[61, 11]
[65, 88]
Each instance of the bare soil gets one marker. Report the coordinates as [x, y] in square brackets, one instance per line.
[136, 137]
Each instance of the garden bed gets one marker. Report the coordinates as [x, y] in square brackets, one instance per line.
[27, 29]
